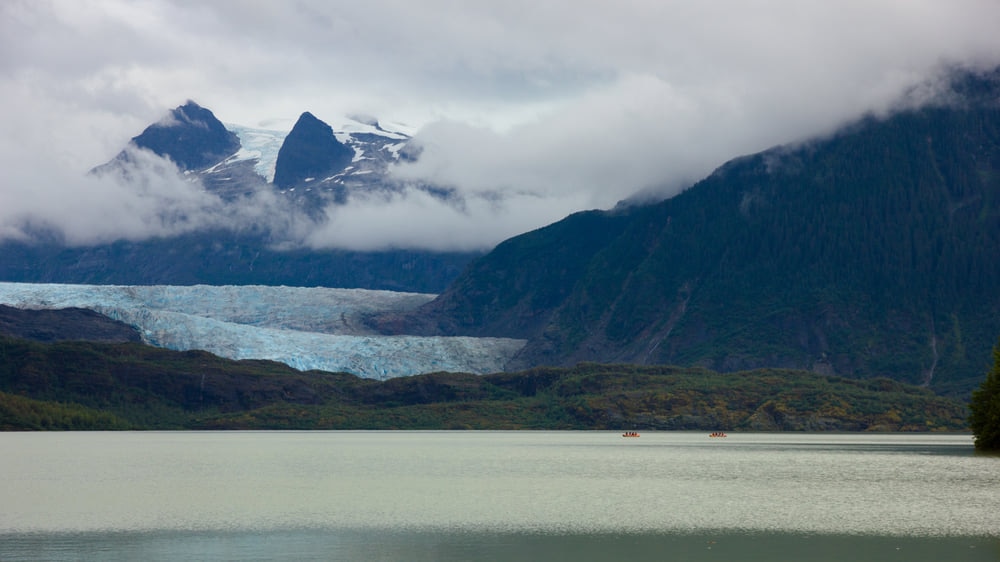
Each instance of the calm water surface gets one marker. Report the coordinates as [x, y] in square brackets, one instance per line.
[495, 496]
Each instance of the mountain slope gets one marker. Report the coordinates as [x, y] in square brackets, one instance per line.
[226, 258]
[870, 253]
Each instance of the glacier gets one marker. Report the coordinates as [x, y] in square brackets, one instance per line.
[261, 145]
[304, 327]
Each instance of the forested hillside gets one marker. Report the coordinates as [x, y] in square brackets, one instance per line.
[874, 252]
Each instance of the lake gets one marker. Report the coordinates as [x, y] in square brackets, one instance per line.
[470, 495]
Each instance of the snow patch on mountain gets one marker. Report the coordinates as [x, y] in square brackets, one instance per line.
[371, 125]
[263, 145]
[305, 328]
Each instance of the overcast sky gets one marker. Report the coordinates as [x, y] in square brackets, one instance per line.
[531, 109]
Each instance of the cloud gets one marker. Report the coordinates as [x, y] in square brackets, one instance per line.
[528, 110]
[639, 132]
[415, 219]
[152, 200]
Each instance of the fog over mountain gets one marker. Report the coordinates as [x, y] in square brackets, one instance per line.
[527, 111]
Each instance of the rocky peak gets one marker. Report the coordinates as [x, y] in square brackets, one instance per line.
[191, 136]
[310, 151]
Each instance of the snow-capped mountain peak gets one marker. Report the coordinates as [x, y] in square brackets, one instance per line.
[312, 165]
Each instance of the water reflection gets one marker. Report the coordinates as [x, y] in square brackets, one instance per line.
[442, 546]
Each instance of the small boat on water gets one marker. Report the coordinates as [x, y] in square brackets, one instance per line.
[717, 434]
[630, 434]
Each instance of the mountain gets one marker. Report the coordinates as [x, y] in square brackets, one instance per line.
[309, 152]
[873, 252]
[312, 165]
[302, 171]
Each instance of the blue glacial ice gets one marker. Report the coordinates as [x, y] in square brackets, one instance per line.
[305, 328]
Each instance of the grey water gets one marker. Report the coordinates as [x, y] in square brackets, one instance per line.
[464, 495]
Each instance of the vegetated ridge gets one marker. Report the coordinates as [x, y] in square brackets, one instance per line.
[68, 324]
[90, 385]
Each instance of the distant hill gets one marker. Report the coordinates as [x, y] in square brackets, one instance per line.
[66, 324]
[874, 252]
[84, 385]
